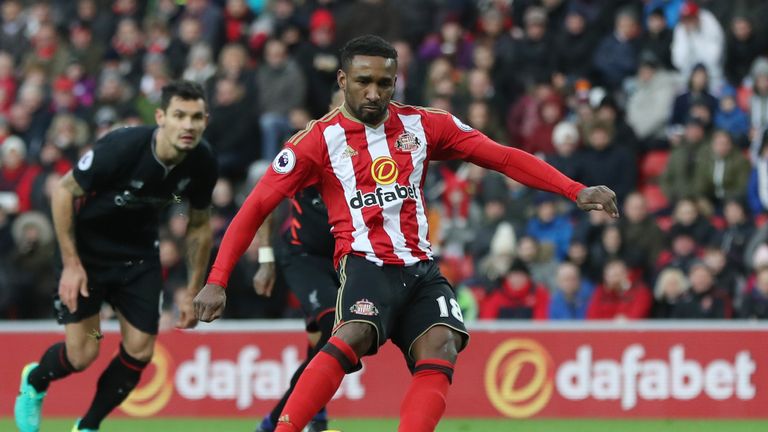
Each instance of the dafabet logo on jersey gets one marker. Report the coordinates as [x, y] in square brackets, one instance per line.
[519, 377]
[152, 395]
[384, 170]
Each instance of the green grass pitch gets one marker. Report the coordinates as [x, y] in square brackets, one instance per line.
[390, 425]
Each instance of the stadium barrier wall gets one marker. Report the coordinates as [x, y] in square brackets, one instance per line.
[549, 370]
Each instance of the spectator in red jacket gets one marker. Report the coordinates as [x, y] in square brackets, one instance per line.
[618, 297]
[516, 297]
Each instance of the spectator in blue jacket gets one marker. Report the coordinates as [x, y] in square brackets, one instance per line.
[571, 294]
[732, 118]
[548, 226]
[616, 56]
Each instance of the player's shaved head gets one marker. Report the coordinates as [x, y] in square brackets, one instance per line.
[367, 45]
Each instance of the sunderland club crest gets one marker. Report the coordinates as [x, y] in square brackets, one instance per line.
[364, 307]
[407, 143]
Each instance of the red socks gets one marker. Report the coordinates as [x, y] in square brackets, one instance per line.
[424, 403]
[317, 385]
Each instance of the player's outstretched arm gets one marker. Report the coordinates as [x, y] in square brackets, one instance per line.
[210, 301]
[199, 244]
[73, 277]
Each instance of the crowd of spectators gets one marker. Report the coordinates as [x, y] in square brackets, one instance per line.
[664, 101]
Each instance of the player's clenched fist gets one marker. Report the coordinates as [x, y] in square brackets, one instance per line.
[598, 198]
[209, 303]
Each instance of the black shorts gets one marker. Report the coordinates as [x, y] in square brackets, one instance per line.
[134, 289]
[401, 302]
[314, 281]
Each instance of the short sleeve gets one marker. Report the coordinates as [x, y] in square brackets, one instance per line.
[98, 167]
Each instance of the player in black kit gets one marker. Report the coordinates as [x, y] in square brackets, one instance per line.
[106, 213]
[305, 256]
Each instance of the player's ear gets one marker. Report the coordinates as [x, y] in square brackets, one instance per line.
[160, 117]
[341, 79]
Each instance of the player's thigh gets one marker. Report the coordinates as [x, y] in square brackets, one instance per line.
[83, 339]
[137, 296]
[314, 281]
[368, 294]
[434, 305]
[98, 285]
[137, 343]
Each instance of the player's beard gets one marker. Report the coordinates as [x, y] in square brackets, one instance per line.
[371, 116]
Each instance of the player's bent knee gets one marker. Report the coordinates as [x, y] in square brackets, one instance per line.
[358, 335]
[83, 355]
[439, 342]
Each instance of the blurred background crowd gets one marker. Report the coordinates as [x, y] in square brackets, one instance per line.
[664, 101]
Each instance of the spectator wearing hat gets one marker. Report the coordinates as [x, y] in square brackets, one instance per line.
[698, 93]
[16, 174]
[677, 179]
[742, 48]
[571, 294]
[568, 158]
[654, 87]
[722, 170]
[704, 300]
[63, 99]
[698, 38]
[33, 277]
[319, 61]
[617, 297]
[516, 297]
[730, 117]
[671, 285]
[658, 38]
[616, 56]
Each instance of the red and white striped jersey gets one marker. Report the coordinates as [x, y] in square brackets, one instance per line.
[371, 180]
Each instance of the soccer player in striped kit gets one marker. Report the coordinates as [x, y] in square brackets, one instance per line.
[369, 158]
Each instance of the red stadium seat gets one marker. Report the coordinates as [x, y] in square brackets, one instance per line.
[654, 197]
[652, 165]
